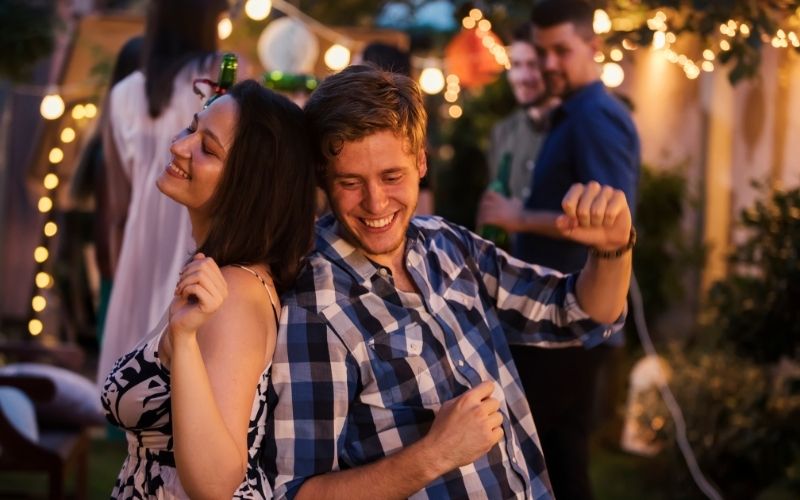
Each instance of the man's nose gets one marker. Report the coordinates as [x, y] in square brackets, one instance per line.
[375, 198]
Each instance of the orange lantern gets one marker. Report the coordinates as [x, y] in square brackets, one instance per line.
[469, 56]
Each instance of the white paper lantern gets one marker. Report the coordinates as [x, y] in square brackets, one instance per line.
[287, 45]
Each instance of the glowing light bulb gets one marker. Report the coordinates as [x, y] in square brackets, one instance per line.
[468, 23]
[613, 75]
[52, 107]
[35, 327]
[601, 23]
[50, 181]
[475, 14]
[90, 110]
[224, 28]
[337, 57]
[431, 80]
[659, 40]
[79, 112]
[257, 10]
[43, 279]
[68, 135]
[40, 254]
[45, 204]
[455, 111]
[38, 303]
[50, 229]
[616, 55]
[484, 25]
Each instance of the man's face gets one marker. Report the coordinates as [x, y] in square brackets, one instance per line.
[373, 186]
[525, 76]
[566, 58]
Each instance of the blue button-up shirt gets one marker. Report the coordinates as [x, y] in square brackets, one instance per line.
[592, 138]
[358, 373]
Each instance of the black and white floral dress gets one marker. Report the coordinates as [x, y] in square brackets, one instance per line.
[136, 397]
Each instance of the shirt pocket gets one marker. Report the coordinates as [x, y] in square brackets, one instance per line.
[402, 365]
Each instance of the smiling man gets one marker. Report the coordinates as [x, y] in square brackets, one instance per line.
[392, 375]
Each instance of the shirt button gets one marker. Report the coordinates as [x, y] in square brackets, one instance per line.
[606, 334]
[461, 362]
[383, 272]
[514, 459]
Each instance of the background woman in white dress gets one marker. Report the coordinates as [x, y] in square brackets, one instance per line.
[144, 111]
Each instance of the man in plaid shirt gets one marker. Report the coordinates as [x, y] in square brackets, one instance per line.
[392, 375]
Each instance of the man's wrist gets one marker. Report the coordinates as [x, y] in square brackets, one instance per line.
[615, 253]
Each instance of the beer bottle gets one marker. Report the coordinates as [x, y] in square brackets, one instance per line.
[227, 77]
[500, 185]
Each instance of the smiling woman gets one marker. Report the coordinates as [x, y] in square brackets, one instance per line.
[193, 396]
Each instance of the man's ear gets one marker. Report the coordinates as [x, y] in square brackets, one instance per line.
[422, 163]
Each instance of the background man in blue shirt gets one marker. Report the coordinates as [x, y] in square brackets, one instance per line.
[392, 368]
[592, 138]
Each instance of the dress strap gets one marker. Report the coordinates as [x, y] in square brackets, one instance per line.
[266, 287]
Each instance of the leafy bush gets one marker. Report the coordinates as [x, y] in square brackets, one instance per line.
[757, 307]
[742, 423]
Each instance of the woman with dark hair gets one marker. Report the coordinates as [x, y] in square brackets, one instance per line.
[144, 110]
[193, 396]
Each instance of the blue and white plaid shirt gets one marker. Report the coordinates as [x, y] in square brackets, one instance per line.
[358, 374]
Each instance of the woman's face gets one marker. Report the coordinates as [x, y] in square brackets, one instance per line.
[199, 153]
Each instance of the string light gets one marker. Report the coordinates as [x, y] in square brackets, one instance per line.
[601, 22]
[78, 112]
[484, 25]
[476, 14]
[90, 110]
[50, 229]
[431, 80]
[45, 204]
[257, 10]
[38, 303]
[52, 107]
[337, 57]
[43, 279]
[224, 28]
[56, 155]
[616, 55]
[41, 254]
[455, 111]
[50, 181]
[35, 327]
[613, 75]
[67, 135]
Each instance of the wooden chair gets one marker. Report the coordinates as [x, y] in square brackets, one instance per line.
[56, 452]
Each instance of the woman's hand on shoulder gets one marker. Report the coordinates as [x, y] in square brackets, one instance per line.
[199, 293]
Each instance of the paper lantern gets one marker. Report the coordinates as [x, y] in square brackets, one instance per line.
[287, 45]
[469, 56]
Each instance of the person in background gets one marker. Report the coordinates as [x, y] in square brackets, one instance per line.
[392, 376]
[144, 111]
[592, 140]
[520, 135]
[193, 395]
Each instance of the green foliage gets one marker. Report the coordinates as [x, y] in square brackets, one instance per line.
[663, 253]
[704, 18]
[26, 36]
[741, 419]
[756, 308]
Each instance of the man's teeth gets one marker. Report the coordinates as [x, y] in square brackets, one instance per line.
[178, 171]
[378, 223]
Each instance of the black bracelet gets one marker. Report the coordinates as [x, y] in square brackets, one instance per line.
[619, 252]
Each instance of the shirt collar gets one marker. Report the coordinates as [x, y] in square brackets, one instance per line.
[578, 97]
[342, 253]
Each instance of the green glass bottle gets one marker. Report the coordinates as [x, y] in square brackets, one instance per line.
[227, 77]
[500, 185]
